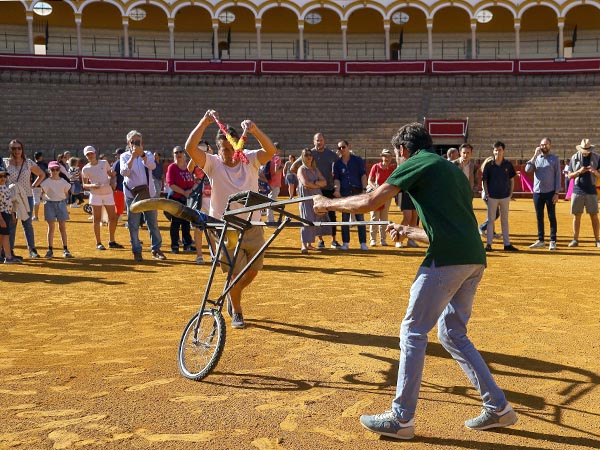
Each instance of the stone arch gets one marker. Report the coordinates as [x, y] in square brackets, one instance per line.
[455, 4]
[317, 5]
[284, 4]
[361, 5]
[528, 4]
[182, 4]
[112, 2]
[570, 6]
[240, 3]
[156, 3]
[502, 3]
[417, 5]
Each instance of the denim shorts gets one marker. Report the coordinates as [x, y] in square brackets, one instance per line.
[56, 211]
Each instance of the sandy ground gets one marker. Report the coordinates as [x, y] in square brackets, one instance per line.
[88, 348]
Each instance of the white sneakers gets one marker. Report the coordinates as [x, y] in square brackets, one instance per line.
[538, 244]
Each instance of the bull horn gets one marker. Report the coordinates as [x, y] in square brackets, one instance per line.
[172, 207]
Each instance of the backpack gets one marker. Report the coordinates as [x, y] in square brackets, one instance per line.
[194, 201]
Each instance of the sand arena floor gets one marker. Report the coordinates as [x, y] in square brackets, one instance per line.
[88, 348]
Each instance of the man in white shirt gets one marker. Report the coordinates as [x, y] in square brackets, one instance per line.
[230, 173]
[136, 165]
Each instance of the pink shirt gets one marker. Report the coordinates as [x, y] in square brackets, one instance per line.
[276, 177]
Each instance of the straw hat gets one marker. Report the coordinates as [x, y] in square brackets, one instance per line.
[586, 146]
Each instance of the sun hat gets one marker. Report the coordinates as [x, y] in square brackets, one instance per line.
[585, 146]
[89, 149]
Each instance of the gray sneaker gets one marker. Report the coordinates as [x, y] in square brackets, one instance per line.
[552, 245]
[493, 419]
[237, 321]
[49, 254]
[573, 243]
[388, 424]
[538, 244]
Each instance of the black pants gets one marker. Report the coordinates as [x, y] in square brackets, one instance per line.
[186, 237]
[332, 217]
[539, 201]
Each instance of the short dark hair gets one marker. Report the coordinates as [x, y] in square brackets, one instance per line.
[222, 137]
[499, 144]
[37, 155]
[414, 136]
[466, 145]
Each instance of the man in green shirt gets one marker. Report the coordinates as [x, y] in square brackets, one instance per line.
[445, 284]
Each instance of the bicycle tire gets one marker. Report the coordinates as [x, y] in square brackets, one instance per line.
[87, 208]
[196, 359]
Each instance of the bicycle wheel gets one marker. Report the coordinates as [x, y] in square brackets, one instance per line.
[87, 208]
[197, 357]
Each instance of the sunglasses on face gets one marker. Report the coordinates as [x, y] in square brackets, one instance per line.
[3, 175]
[178, 152]
[54, 169]
[341, 147]
[16, 148]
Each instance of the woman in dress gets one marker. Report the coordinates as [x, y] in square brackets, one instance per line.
[310, 182]
[19, 171]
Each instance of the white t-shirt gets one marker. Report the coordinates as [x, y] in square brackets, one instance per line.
[226, 181]
[55, 190]
[98, 174]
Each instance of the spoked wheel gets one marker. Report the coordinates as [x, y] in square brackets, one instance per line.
[87, 208]
[198, 356]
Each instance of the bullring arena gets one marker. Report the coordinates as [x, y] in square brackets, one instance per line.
[88, 346]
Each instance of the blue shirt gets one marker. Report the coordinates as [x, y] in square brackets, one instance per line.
[546, 173]
[138, 174]
[349, 174]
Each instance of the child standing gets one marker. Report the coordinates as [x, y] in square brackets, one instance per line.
[6, 217]
[55, 192]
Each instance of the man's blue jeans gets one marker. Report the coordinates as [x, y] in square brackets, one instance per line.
[443, 295]
[27, 227]
[539, 201]
[133, 222]
[362, 229]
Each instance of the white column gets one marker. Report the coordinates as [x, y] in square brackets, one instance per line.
[78, 27]
[125, 36]
[386, 28]
[517, 40]
[301, 39]
[171, 25]
[561, 38]
[215, 38]
[258, 44]
[430, 38]
[344, 41]
[29, 19]
[474, 39]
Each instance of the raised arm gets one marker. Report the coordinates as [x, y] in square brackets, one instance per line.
[191, 145]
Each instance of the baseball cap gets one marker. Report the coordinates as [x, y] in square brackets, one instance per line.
[89, 149]
[385, 151]
[119, 151]
[53, 164]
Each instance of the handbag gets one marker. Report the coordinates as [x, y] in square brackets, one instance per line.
[141, 192]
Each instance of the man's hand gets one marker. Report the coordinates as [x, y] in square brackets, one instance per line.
[320, 204]
[554, 199]
[538, 151]
[397, 232]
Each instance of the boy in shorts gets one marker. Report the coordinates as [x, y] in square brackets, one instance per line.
[55, 192]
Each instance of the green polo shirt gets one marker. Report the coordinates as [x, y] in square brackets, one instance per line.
[443, 199]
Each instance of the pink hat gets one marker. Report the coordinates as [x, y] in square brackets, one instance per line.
[52, 164]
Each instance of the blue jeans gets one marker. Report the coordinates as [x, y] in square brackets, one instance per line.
[133, 222]
[443, 295]
[362, 229]
[27, 227]
[539, 201]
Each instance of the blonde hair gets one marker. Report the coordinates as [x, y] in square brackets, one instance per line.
[313, 164]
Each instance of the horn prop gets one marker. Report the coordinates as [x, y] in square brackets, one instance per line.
[172, 207]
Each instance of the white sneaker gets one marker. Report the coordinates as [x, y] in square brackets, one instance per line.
[372, 243]
[398, 244]
[552, 245]
[344, 246]
[363, 246]
[540, 244]
[598, 244]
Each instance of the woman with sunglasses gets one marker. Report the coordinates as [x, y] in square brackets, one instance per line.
[7, 216]
[19, 171]
[181, 184]
[310, 182]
